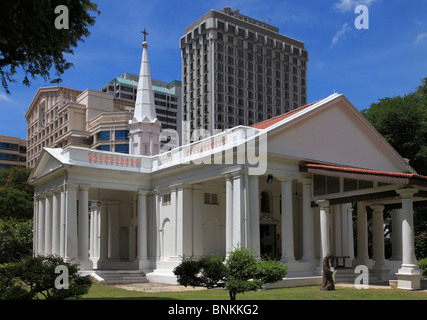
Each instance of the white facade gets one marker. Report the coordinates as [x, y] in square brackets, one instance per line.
[146, 212]
[284, 187]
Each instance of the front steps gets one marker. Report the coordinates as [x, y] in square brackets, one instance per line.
[347, 275]
[113, 277]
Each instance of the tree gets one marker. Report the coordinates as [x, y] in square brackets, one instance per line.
[402, 121]
[16, 239]
[30, 40]
[240, 273]
[37, 276]
[16, 194]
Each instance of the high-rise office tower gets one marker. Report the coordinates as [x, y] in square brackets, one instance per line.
[238, 71]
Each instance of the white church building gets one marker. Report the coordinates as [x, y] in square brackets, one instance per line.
[285, 187]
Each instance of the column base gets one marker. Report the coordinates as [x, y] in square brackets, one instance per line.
[288, 260]
[86, 264]
[409, 278]
[142, 264]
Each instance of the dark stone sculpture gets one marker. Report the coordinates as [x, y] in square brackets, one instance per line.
[328, 281]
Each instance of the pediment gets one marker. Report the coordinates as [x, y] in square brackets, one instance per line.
[335, 132]
[46, 163]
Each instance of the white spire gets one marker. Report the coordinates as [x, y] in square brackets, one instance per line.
[144, 128]
[145, 109]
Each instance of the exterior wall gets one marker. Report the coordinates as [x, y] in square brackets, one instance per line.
[13, 152]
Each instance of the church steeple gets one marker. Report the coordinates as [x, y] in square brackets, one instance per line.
[144, 133]
[144, 107]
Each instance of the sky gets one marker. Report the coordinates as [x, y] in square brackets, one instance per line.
[386, 58]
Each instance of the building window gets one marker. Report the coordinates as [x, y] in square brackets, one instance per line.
[211, 198]
[122, 148]
[104, 148]
[122, 134]
[103, 135]
[8, 146]
[166, 199]
[265, 202]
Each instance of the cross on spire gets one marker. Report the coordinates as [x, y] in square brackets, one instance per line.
[145, 33]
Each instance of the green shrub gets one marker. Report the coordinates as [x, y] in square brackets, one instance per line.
[240, 273]
[422, 264]
[33, 277]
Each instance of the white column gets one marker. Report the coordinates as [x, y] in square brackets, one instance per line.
[103, 232]
[71, 242]
[62, 224]
[287, 221]
[308, 224]
[254, 214]
[229, 214]
[48, 225]
[83, 225]
[98, 230]
[238, 231]
[56, 222]
[198, 220]
[408, 275]
[92, 230]
[362, 235]
[324, 229]
[378, 236]
[41, 225]
[185, 219]
[142, 242]
[35, 225]
[348, 243]
[396, 235]
[110, 230]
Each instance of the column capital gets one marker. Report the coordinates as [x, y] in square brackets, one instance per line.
[406, 193]
[142, 192]
[84, 187]
[323, 203]
[305, 181]
[233, 172]
[71, 187]
[283, 178]
[378, 208]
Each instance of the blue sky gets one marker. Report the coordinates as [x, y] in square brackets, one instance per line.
[388, 59]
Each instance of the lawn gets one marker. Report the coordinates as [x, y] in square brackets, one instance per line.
[103, 292]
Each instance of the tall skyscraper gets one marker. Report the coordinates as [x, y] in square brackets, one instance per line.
[238, 71]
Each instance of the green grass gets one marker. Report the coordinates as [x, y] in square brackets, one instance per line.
[103, 292]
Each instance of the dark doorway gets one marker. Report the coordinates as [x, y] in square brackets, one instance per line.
[268, 240]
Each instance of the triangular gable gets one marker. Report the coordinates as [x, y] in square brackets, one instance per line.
[333, 131]
[49, 160]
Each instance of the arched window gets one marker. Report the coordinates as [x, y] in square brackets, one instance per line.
[265, 202]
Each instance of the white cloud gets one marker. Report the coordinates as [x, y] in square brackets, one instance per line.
[345, 28]
[5, 98]
[420, 37]
[349, 5]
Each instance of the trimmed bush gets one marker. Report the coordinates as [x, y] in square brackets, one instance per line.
[36, 277]
[422, 264]
[241, 272]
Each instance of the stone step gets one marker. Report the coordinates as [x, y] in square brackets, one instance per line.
[110, 277]
[347, 275]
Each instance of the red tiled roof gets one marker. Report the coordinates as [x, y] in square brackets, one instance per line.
[269, 122]
[317, 168]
